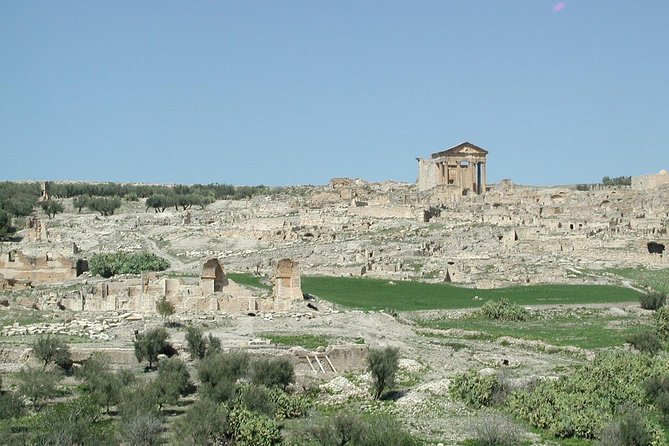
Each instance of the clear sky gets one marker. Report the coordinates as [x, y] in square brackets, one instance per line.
[297, 92]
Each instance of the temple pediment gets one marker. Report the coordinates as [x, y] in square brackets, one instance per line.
[463, 149]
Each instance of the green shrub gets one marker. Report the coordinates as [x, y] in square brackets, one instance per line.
[656, 384]
[579, 405]
[11, 405]
[138, 399]
[504, 309]
[100, 383]
[645, 342]
[474, 389]
[105, 206]
[72, 422]
[652, 301]
[164, 308]
[110, 264]
[197, 345]
[141, 430]
[219, 373]
[51, 208]
[258, 399]
[253, 429]
[52, 349]
[661, 319]
[352, 429]
[150, 344]
[288, 405]
[631, 429]
[495, 429]
[172, 382]
[37, 385]
[205, 423]
[273, 372]
[383, 365]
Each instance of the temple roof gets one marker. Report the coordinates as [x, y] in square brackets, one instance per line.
[465, 148]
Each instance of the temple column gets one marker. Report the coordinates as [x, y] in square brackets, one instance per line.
[483, 178]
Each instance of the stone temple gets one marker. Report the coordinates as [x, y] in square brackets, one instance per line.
[460, 170]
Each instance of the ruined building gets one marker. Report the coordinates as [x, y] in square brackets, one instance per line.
[287, 284]
[460, 170]
[646, 182]
[51, 267]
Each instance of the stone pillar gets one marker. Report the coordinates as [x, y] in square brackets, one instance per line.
[484, 180]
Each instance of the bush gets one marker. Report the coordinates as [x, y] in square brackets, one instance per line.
[353, 429]
[288, 405]
[219, 373]
[102, 385]
[580, 404]
[198, 345]
[51, 208]
[383, 365]
[205, 423]
[110, 264]
[474, 389]
[105, 206]
[73, 422]
[50, 349]
[273, 372]
[645, 342]
[37, 385]
[661, 319]
[164, 308]
[150, 344]
[141, 430]
[6, 227]
[652, 301]
[138, 399]
[11, 405]
[495, 429]
[630, 430]
[504, 309]
[173, 381]
[258, 399]
[252, 429]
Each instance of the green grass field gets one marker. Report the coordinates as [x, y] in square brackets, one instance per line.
[248, 280]
[307, 341]
[586, 329]
[373, 294]
[655, 279]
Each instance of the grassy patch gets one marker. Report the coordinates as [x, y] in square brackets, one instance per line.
[374, 294]
[590, 329]
[311, 342]
[657, 279]
[248, 280]
[23, 317]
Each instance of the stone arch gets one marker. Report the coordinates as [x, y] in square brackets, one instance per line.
[212, 279]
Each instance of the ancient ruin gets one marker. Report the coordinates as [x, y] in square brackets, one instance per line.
[645, 182]
[460, 170]
[50, 267]
[287, 288]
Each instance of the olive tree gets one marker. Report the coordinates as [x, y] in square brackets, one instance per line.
[383, 365]
[150, 344]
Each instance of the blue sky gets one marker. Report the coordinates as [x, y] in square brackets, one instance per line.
[297, 92]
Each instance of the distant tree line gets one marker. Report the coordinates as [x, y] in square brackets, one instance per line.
[18, 199]
[617, 181]
[133, 191]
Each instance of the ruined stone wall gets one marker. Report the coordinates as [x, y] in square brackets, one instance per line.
[645, 182]
[49, 268]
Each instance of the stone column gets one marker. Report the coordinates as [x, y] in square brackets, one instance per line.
[483, 178]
